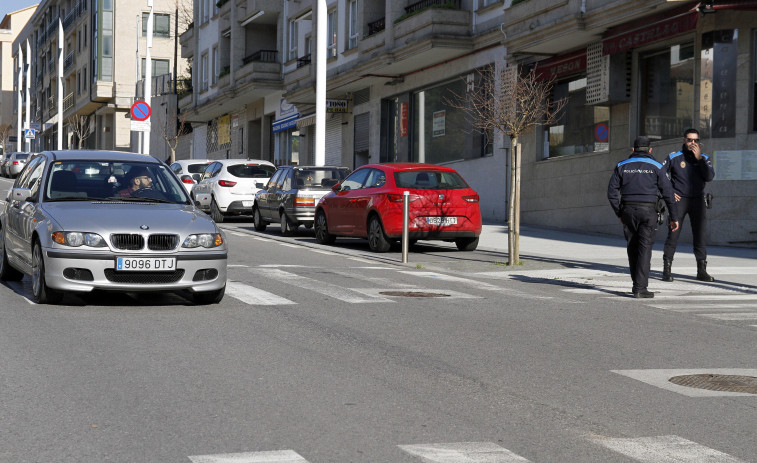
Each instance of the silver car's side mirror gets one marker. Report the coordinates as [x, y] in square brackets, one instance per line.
[20, 194]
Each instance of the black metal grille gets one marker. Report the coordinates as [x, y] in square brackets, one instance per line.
[82, 274]
[162, 242]
[127, 242]
[143, 278]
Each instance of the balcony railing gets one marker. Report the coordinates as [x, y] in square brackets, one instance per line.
[304, 61]
[376, 26]
[423, 4]
[69, 61]
[68, 101]
[264, 56]
[52, 28]
[52, 103]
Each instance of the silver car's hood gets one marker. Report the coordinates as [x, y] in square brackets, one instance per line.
[117, 217]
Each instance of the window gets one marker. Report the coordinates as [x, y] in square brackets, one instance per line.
[216, 66]
[491, 2]
[356, 180]
[666, 92]
[159, 67]
[204, 11]
[331, 30]
[204, 72]
[581, 128]
[161, 25]
[292, 39]
[352, 25]
[717, 100]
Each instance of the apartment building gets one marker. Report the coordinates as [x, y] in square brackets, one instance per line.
[631, 68]
[10, 27]
[103, 54]
[627, 68]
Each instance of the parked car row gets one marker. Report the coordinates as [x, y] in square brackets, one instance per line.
[12, 164]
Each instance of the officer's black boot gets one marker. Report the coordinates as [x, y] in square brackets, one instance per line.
[666, 270]
[702, 274]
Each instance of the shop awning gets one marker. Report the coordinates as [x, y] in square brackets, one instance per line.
[306, 121]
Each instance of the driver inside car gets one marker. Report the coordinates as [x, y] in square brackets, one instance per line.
[138, 178]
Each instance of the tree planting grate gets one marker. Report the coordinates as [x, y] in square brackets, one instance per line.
[724, 383]
[412, 294]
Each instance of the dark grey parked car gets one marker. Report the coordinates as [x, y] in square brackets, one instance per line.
[290, 196]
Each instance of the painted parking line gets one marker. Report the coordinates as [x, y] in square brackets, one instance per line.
[463, 452]
[254, 296]
[277, 456]
[665, 449]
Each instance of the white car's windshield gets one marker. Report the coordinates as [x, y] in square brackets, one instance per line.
[109, 180]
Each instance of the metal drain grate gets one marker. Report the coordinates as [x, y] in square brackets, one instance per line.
[724, 383]
[412, 294]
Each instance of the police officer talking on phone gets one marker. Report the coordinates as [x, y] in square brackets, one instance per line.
[689, 170]
[634, 187]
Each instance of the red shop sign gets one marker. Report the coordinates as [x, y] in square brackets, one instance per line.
[561, 66]
[652, 33]
[403, 119]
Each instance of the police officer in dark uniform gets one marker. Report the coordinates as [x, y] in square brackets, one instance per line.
[634, 188]
[689, 170]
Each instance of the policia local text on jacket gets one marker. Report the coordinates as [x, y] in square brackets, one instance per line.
[634, 188]
[689, 170]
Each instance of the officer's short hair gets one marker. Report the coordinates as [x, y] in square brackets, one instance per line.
[641, 143]
[688, 131]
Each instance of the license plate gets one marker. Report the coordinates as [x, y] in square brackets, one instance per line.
[145, 264]
[247, 203]
[441, 220]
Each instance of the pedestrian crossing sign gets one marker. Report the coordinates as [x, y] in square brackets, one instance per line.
[30, 134]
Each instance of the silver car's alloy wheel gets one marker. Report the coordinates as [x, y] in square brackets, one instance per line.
[376, 238]
[42, 294]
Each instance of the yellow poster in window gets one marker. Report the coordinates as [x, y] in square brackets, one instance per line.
[224, 130]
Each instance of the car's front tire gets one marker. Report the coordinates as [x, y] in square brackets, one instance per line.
[209, 297]
[41, 293]
[287, 228]
[215, 212]
[257, 219]
[7, 273]
[377, 240]
[466, 244]
[322, 234]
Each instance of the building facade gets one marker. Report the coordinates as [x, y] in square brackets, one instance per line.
[626, 67]
[103, 51]
[10, 27]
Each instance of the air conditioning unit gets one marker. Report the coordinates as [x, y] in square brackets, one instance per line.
[608, 77]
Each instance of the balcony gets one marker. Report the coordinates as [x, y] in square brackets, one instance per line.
[102, 91]
[259, 66]
[263, 56]
[304, 61]
[69, 101]
[376, 26]
[429, 19]
[69, 61]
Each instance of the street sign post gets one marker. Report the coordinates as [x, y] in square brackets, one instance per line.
[30, 134]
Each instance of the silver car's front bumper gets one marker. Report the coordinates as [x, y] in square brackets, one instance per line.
[86, 271]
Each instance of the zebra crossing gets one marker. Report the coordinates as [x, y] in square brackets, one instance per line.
[654, 449]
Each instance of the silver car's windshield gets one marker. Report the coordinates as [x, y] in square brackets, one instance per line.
[89, 180]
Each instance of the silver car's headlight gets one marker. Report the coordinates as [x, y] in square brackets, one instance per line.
[205, 240]
[76, 239]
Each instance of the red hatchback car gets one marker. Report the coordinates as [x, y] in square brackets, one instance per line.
[368, 204]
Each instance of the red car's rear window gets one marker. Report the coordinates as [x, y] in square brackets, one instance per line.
[429, 180]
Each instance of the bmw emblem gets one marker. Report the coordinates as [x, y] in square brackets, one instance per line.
[144, 227]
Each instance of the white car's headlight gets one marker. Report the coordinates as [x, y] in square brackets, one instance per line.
[76, 239]
[205, 240]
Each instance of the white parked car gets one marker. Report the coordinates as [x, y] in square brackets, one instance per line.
[189, 171]
[228, 186]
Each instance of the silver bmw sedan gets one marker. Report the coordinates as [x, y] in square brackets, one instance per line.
[83, 220]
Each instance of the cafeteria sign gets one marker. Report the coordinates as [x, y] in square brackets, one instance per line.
[336, 106]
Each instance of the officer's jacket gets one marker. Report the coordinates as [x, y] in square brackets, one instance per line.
[688, 174]
[640, 179]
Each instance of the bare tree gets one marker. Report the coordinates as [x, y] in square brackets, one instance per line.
[81, 127]
[172, 133]
[5, 131]
[505, 100]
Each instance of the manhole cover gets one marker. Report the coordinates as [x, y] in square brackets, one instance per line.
[412, 294]
[724, 383]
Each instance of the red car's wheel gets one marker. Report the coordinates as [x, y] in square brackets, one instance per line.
[377, 240]
[322, 234]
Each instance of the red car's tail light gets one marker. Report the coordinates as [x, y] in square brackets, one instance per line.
[304, 202]
[471, 198]
[398, 198]
[187, 180]
[226, 183]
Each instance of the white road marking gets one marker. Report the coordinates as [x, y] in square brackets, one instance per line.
[276, 456]
[236, 233]
[254, 296]
[359, 259]
[321, 251]
[660, 378]
[265, 240]
[328, 289]
[281, 265]
[476, 283]
[713, 297]
[463, 452]
[701, 307]
[237, 265]
[665, 449]
[289, 245]
[447, 294]
[376, 281]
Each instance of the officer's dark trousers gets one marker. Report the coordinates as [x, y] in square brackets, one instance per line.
[695, 209]
[640, 228]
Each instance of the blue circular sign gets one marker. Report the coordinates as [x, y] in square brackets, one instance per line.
[140, 111]
[601, 132]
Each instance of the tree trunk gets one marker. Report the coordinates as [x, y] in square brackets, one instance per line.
[511, 225]
[173, 155]
[516, 232]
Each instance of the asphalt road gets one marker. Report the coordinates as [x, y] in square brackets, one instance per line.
[334, 354]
